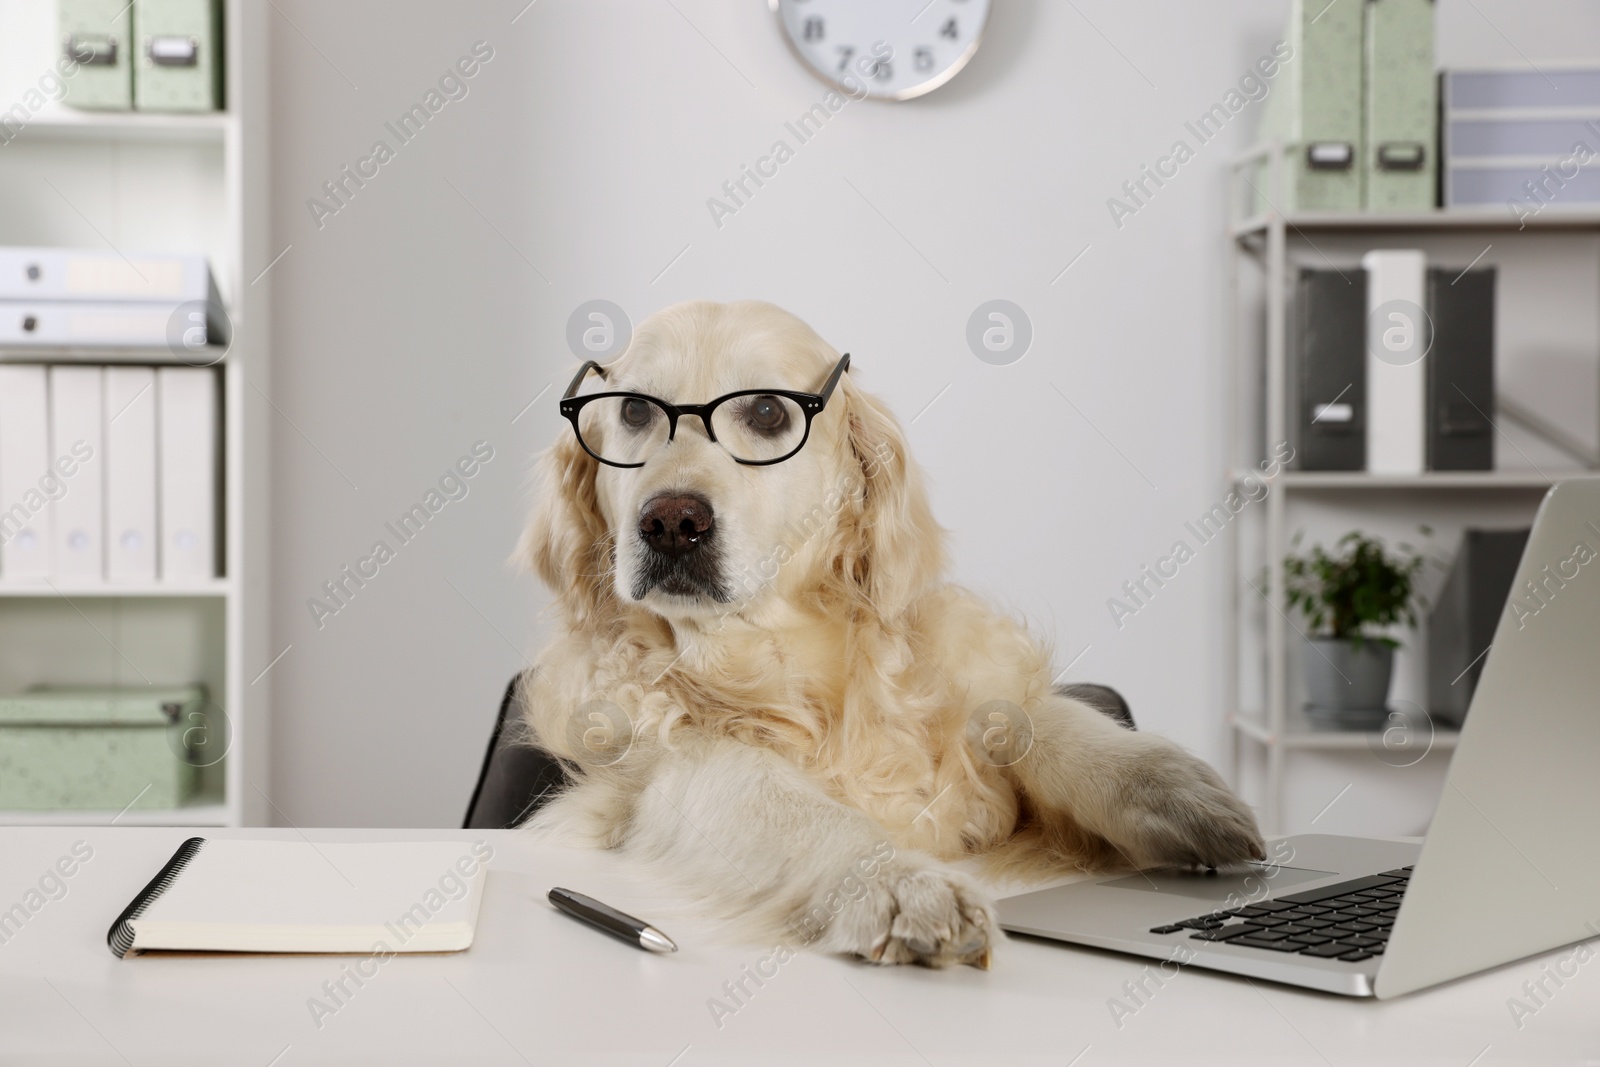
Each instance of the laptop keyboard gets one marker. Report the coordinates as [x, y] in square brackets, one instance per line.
[1345, 921]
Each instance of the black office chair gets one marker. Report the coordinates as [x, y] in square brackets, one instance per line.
[518, 776]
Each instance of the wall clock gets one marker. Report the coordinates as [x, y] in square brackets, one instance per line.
[891, 49]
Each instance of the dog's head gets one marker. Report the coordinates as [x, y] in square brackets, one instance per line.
[692, 533]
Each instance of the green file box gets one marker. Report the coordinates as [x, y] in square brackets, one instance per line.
[97, 749]
[95, 58]
[179, 65]
[1401, 106]
[1315, 109]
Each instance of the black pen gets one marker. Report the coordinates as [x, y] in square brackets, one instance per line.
[608, 919]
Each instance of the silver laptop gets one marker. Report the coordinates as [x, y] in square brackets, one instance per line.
[1510, 866]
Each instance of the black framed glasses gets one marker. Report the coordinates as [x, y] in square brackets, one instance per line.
[757, 427]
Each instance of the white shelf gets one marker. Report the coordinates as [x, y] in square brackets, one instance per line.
[206, 811]
[1554, 217]
[1500, 479]
[211, 356]
[215, 588]
[66, 124]
[1299, 732]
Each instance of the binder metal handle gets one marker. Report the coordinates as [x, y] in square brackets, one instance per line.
[1402, 155]
[1330, 155]
[172, 51]
[91, 49]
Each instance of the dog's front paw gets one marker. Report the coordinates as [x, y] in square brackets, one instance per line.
[1176, 810]
[915, 912]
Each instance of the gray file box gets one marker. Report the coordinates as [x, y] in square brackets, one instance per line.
[1551, 85]
[1465, 613]
[1328, 370]
[1526, 186]
[96, 46]
[1521, 139]
[1461, 369]
[1549, 138]
[179, 65]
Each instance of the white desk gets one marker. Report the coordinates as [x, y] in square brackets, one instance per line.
[539, 988]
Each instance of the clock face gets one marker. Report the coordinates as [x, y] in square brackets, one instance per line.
[887, 49]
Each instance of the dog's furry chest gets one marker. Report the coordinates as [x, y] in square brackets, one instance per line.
[902, 765]
[859, 715]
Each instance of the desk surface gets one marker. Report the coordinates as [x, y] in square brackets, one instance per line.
[538, 988]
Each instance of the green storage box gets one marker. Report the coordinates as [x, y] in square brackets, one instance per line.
[1401, 104]
[97, 36]
[179, 65]
[97, 749]
[1315, 109]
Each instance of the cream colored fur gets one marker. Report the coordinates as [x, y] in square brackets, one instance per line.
[799, 755]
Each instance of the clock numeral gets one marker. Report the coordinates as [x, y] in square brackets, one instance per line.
[882, 70]
[949, 30]
[845, 52]
[922, 59]
[813, 30]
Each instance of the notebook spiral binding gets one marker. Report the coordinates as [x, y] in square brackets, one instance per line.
[120, 936]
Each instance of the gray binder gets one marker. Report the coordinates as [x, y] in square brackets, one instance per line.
[1328, 370]
[1461, 370]
[1464, 617]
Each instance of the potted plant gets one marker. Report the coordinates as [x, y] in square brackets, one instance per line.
[1347, 597]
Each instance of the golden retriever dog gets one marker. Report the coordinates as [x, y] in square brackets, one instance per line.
[763, 682]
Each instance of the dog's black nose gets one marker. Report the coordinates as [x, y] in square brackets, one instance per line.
[675, 524]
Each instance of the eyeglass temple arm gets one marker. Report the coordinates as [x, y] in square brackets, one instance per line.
[833, 379]
[577, 379]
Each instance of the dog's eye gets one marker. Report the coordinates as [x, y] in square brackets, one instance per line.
[635, 413]
[766, 414]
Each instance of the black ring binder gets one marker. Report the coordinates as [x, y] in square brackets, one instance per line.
[120, 936]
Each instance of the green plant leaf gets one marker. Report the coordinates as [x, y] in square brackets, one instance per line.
[1360, 588]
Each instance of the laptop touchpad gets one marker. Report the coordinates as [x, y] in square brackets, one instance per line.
[1255, 881]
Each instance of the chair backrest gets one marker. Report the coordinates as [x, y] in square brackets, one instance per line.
[517, 776]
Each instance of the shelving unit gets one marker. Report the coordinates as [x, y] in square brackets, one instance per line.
[203, 357]
[1508, 479]
[218, 587]
[1455, 220]
[1262, 718]
[152, 182]
[1297, 732]
[202, 812]
[94, 126]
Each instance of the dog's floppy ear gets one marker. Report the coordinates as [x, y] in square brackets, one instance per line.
[895, 548]
[566, 541]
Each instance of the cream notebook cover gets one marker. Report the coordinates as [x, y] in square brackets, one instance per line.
[296, 896]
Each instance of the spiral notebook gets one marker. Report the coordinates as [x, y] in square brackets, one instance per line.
[300, 896]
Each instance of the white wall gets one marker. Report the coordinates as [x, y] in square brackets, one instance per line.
[428, 312]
